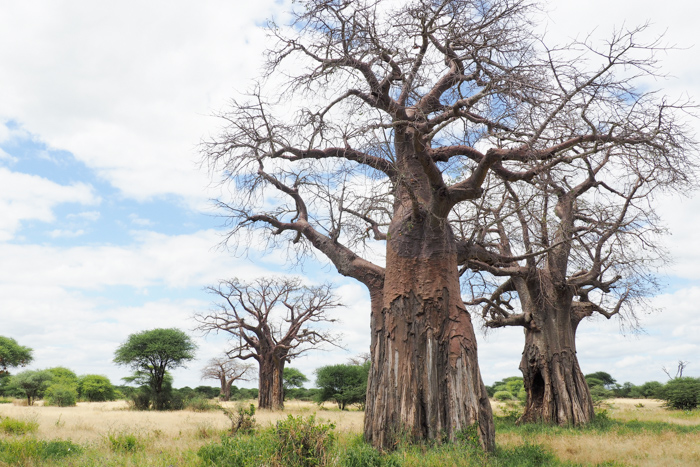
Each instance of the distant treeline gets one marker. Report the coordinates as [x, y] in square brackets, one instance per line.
[677, 392]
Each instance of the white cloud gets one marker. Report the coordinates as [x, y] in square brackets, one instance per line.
[153, 259]
[127, 87]
[62, 233]
[135, 219]
[26, 197]
[90, 216]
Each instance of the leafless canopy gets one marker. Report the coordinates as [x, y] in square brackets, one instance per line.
[270, 316]
[593, 230]
[224, 368]
[318, 164]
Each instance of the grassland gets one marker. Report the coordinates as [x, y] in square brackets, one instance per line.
[629, 432]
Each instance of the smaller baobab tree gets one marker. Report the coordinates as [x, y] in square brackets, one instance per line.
[227, 371]
[571, 244]
[272, 322]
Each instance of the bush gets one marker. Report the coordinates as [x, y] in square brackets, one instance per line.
[361, 454]
[525, 455]
[124, 442]
[61, 395]
[12, 426]
[242, 419]
[199, 404]
[95, 388]
[23, 451]
[681, 393]
[651, 389]
[302, 442]
[503, 396]
[244, 451]
[140, 399]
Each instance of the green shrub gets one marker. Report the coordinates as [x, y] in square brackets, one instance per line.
[140, 399]
[12, 426]
[503, 396]
[125, 442]
[360, 454]
[6, 400]
[651, 389]
[23, 451]
[525, 455]
[61, 395]
[303, 442]
[242, 419]
[95, 388]
[681, 393]
[239, 451]
[200, 404]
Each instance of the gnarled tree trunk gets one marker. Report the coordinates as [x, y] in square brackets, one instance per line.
[424, 380]
[271, 393]
[556, 389]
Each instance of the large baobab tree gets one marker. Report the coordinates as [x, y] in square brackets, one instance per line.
[375, 121]
[227, 371]
[271, 321]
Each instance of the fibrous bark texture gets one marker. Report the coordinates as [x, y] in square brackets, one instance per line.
[424, 380]
[271, 393]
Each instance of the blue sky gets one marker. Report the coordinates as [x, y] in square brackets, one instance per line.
[105, 222]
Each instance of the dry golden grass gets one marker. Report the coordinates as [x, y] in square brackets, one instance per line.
[91, 422]
[632, 447]
[175, 432]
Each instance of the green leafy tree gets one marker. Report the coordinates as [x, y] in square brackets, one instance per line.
[63, 375]
[343, 384]
[31, 384]
[602, 377]
[681, 393]
[292, 379]
[513, 385]
[95, 388]
[651, 389]
[154, 352]
[61, 395]
[13, 355]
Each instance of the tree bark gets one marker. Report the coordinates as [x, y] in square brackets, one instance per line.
[556, 390]
[271, 393]
[424, 379]
[225, 389]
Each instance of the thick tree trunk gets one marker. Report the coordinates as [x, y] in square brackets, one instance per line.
[271, 395]
[556, 389]
[424, 380]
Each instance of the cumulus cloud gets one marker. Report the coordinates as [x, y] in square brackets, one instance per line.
[26, 197]
[128, 87]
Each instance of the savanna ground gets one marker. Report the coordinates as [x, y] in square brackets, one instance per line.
[628, 432]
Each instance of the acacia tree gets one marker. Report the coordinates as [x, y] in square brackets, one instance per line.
[13, 355]
[153, 353]
[227, 371]
[271, 321]
[403, 111]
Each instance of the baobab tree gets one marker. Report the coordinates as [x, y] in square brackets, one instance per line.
[271, 321]
[572, 243]
[227, 371]
[373, 123]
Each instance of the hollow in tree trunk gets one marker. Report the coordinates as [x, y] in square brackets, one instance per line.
[424, 379]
